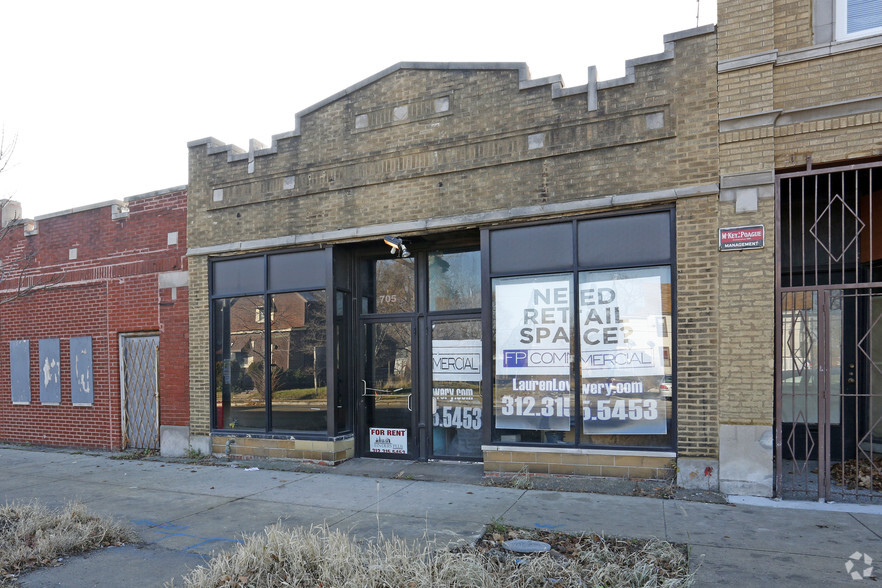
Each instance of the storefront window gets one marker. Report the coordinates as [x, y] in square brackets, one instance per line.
[269, 348]
[625, 366]
[454, 280]
[603, 327]
[239, 352]
[299, 386]
[533, 385]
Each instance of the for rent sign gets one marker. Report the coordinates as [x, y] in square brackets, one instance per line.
[738, 238]
[388, 440]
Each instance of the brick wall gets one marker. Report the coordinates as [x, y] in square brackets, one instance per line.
[793, 24]
[806, 91]
[746, 323]
[803, 99]
[744, 27]
[114, 285]
[697, 330]
[200, 350]
[473, 157]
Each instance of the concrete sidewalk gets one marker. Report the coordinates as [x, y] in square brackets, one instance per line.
[185, 513]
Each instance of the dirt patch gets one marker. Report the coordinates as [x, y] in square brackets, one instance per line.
[854, 474]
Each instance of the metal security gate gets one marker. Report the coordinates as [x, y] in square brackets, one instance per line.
[139, 361]
[828, 393]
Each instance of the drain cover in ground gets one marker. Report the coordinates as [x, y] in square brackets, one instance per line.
[526, 546]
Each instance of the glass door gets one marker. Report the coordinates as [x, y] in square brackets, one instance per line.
[388, 403]
[420, 355]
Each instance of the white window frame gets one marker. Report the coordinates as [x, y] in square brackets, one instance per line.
[842, 33]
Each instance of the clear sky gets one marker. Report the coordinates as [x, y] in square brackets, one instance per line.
[103, 96]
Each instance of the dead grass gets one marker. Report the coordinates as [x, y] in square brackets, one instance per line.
[135, 454]
[33, 536]
[319, 556]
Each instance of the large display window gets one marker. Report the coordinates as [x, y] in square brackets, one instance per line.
[584, 357]
[625, 356]
[269, 344]
[533, 385]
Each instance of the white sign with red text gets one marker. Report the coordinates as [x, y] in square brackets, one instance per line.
[388, 440]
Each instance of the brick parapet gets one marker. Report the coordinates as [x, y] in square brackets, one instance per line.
[497, 145]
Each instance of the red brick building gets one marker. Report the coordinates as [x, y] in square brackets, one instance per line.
[96, 353]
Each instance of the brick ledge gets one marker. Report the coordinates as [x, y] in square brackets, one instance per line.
[579, 450]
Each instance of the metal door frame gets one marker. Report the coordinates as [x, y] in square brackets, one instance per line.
[362, 435]
[421, 319]
[123, 392]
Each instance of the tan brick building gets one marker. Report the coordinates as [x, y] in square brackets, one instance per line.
[800, 109]
[494, 268]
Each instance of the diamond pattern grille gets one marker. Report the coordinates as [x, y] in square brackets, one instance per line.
[141, 388]
[829, 322]
[827, 229]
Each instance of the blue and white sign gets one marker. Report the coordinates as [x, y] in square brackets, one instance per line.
[621, 328]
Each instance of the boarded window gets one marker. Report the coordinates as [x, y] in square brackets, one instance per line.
[81, 388]
[50, 371]
[20, 368]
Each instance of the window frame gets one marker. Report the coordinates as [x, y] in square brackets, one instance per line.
[574, 270]
[841, 23]
[262, 288]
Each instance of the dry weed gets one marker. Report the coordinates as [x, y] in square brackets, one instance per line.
[319, 556]
[32, 536]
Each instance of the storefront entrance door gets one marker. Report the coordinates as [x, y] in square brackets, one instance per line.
[419, 338]
[388, 403]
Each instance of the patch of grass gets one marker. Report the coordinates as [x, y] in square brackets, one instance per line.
[496, 525]
[136, 454]
[195, 454]
[33, 536]
[319, 556]
[522, 480]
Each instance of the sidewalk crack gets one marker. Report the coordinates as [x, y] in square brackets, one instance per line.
[865, 526]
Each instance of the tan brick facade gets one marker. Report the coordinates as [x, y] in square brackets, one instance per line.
[558, 463]
[422, 150]
[319, 452]
[470, 146]
[797, 100]
[697, 330]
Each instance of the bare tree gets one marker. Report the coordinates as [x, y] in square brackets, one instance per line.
[16, 278]
[6, 149]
